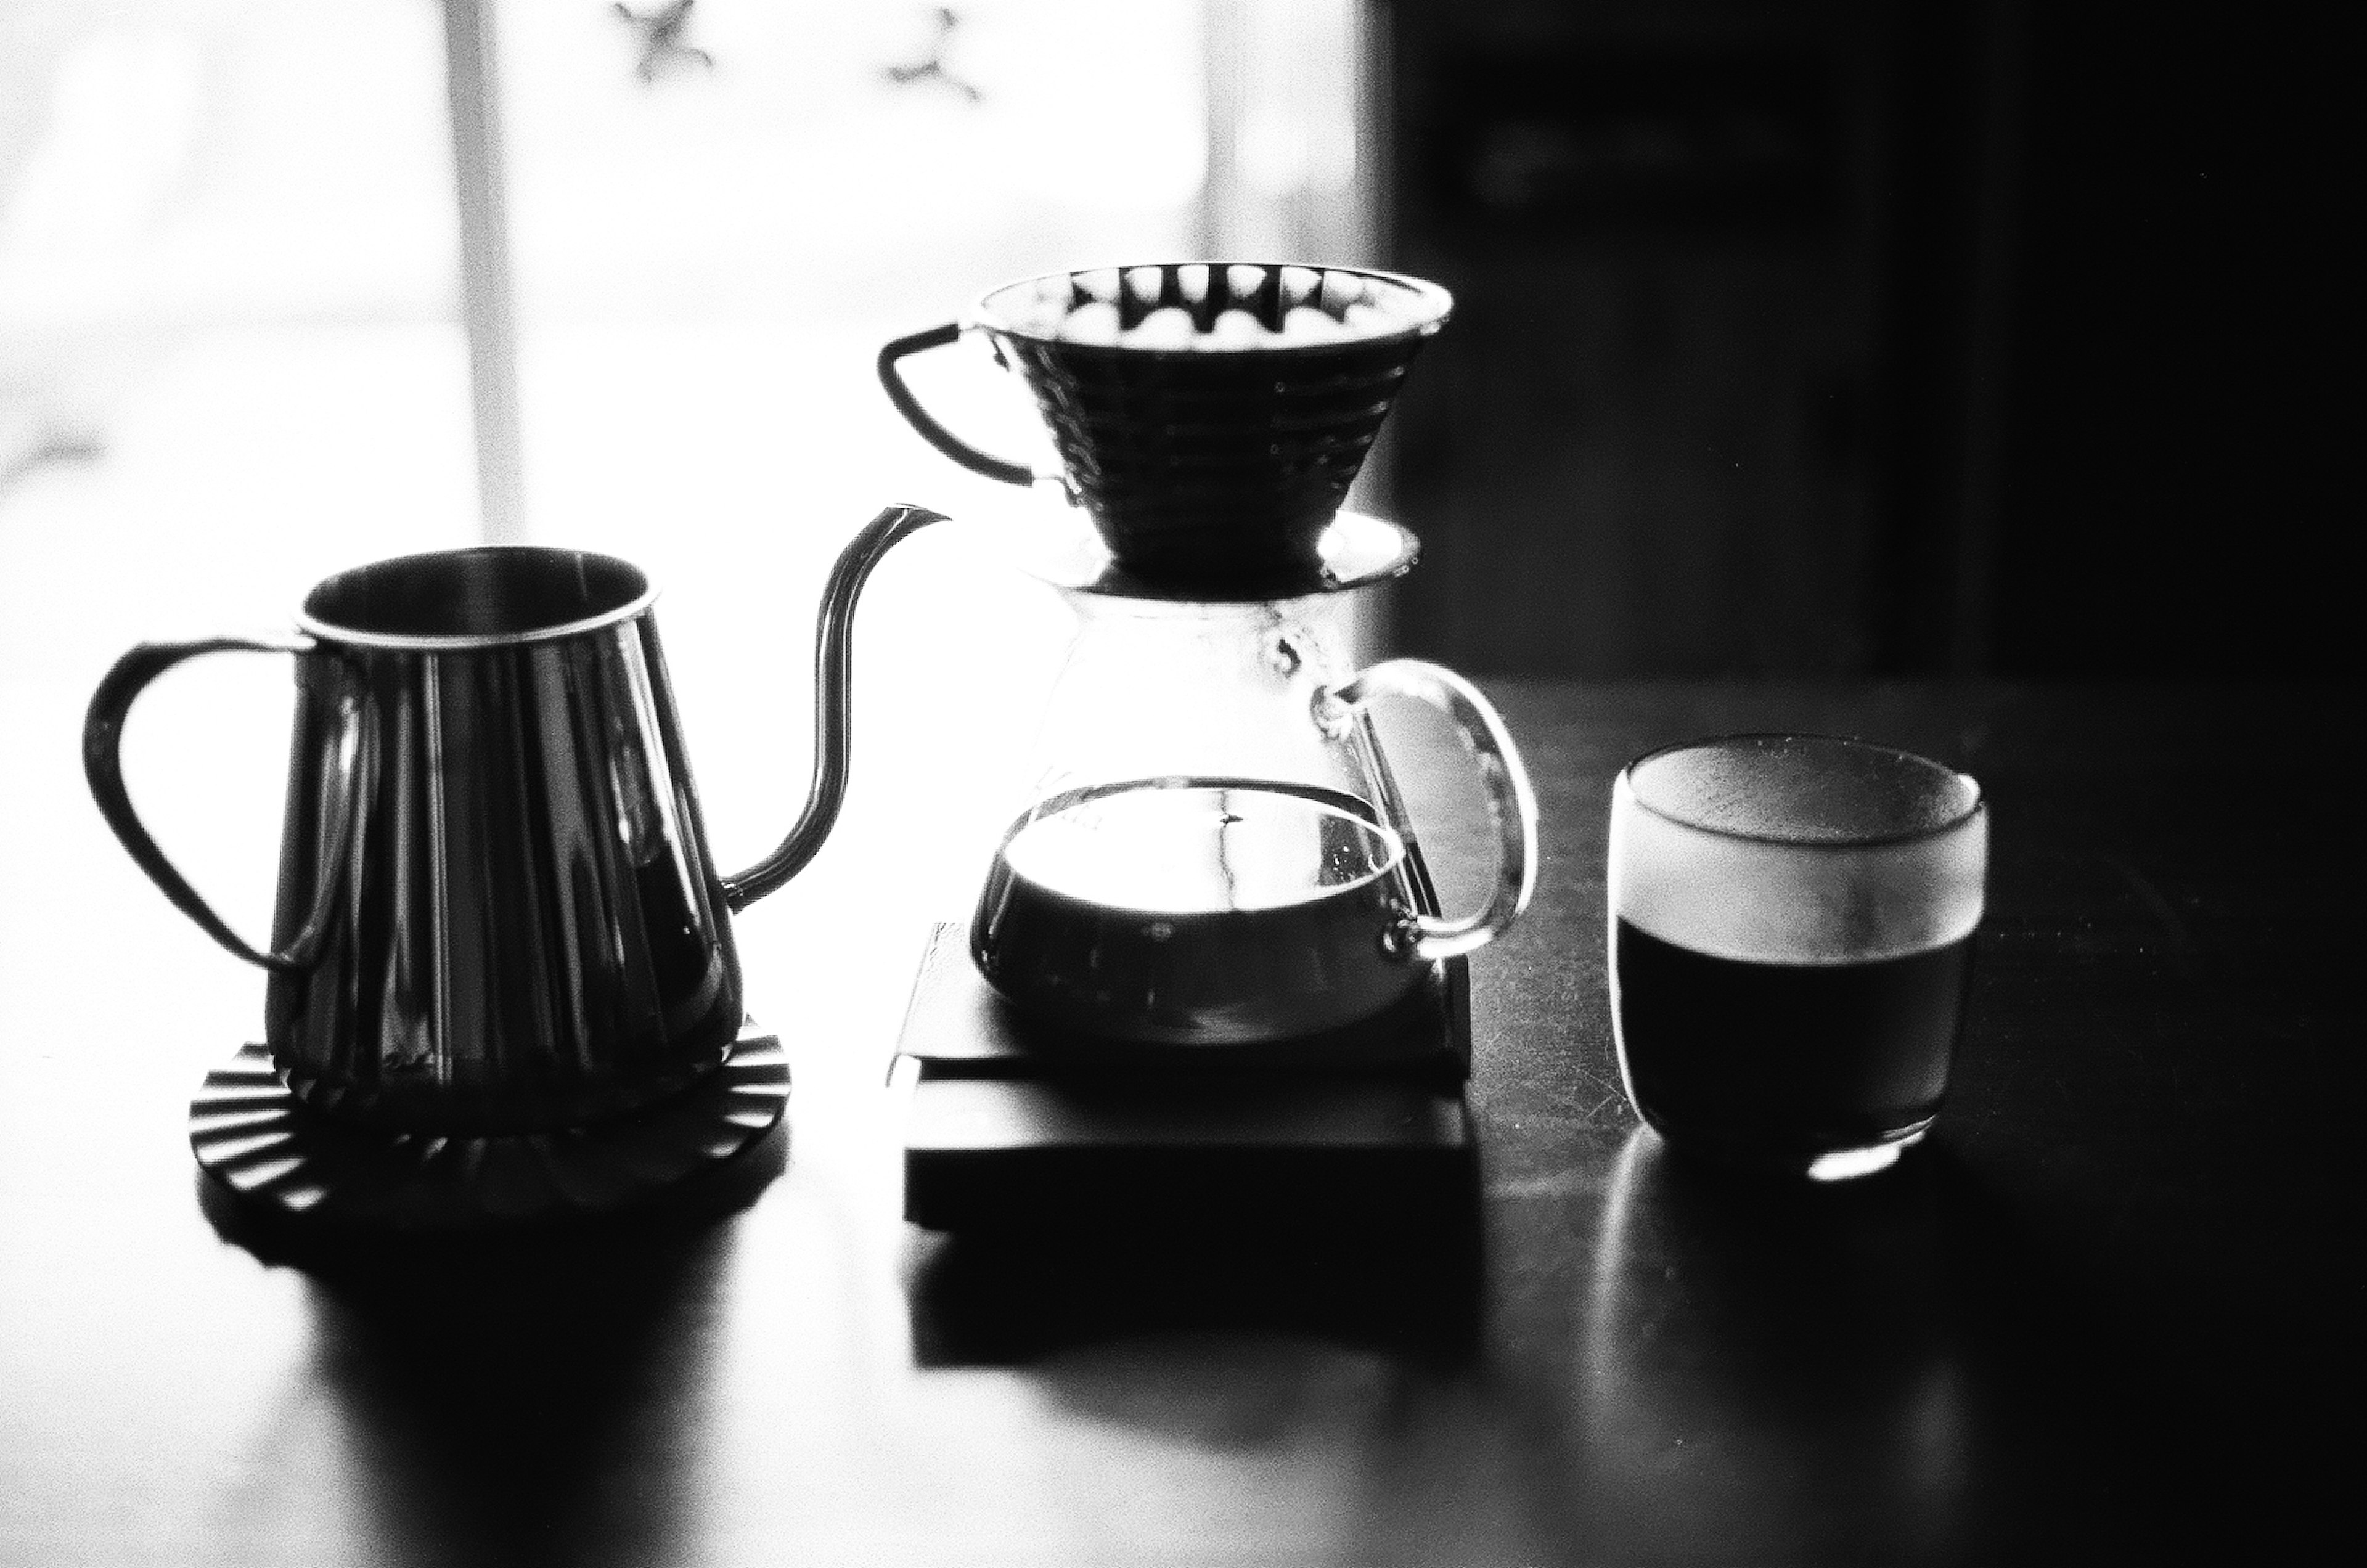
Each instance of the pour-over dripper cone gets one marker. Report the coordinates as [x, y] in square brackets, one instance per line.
[1209, 417]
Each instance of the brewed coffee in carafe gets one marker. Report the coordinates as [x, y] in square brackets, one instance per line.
[1190, 909]
[1212, 851]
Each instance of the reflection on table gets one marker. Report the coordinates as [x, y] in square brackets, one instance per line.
[2101, 1313]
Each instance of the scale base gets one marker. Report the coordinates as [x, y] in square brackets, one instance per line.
[277, 1155]
[1008, 1128]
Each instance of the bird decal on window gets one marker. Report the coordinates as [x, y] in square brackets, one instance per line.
[663, 38]
[933, 68]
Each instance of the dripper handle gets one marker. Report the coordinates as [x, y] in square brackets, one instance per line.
[891, 377]
[1511, 803]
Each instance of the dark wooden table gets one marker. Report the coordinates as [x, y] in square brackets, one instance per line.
[2107, 1312]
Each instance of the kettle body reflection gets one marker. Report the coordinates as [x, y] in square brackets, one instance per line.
[497, 911]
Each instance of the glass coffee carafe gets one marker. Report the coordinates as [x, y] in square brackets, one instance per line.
[1213, 851]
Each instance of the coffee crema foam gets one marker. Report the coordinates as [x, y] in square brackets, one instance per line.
[1802, 850]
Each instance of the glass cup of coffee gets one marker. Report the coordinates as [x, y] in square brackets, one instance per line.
[1791, 928]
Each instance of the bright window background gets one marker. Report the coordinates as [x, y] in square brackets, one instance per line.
[231, 359]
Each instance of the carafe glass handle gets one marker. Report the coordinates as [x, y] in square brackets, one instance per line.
[1511, 804]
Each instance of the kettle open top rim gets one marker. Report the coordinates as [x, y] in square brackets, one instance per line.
[476, 597]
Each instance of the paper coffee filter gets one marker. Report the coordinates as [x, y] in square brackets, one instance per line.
[1870, 868]
[1216, 308]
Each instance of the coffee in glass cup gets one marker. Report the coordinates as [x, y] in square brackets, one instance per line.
[1790, 922]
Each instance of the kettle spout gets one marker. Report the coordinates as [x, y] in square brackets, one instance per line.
[833, 703]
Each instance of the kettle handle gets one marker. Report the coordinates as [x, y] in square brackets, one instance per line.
[102, 763]
[891, 375]
[1511, 803]
[833, 703]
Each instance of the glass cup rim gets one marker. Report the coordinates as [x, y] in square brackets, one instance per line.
[1974, 809]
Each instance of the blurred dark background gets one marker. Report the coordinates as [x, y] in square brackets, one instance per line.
[1878, 336]
[1794, 337]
